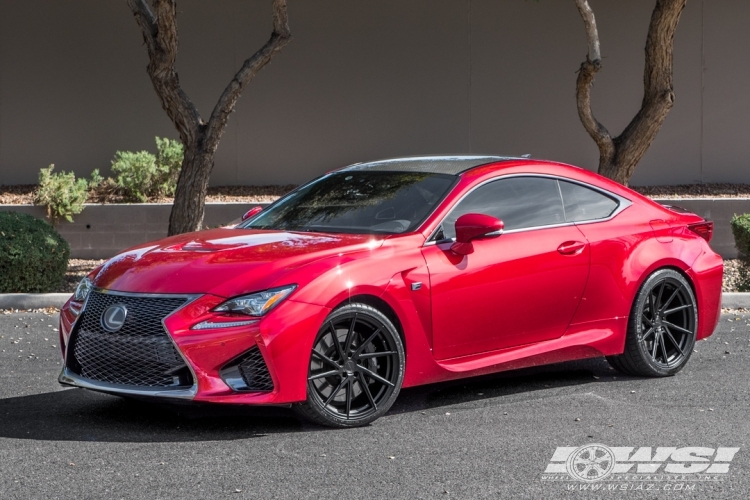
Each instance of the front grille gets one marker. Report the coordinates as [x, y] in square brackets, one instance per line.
[255, 372]
[139, 354]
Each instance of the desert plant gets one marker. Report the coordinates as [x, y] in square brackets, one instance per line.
[142, 175]
[742, 283]
[135, 173]
[169, 156]
[741, 231]
[33, 256]
[61, 193]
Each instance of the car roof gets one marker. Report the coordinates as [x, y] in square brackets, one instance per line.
[452, 165]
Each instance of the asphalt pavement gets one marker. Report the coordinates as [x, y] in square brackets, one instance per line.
[489, 437]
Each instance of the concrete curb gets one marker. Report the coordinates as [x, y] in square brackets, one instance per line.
[34, 300]
[43, 300]
[734, 300]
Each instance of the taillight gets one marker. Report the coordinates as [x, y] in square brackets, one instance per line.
[703, 229]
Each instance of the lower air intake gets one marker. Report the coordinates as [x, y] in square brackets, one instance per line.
[248, 373]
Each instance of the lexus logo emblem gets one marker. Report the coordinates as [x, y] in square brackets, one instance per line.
[114, 317]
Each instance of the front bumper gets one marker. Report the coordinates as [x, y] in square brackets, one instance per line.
[283, 338]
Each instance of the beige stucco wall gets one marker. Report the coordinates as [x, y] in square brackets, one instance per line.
[369, 79]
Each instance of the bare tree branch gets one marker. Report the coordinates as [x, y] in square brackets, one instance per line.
[201, 140]
[160, 35]
[595, 129]
[658, 89]
[280, 36]
[592, 34]
[619, 156]
[585, 80]
[145, 19]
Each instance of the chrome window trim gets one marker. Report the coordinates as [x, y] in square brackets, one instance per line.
[623, 203]
[67, 377]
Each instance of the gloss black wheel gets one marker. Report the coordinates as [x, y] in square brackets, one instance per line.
[662, 327]
[356, 368]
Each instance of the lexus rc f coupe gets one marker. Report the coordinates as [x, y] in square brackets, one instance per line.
[393, 274]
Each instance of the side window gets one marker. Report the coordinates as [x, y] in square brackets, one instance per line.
[582, 203]
[519, 202]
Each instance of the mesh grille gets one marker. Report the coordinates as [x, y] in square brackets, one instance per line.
[255, 372]
[139, 354]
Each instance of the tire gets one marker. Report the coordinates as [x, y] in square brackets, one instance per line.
[659, 345]
[363, 387]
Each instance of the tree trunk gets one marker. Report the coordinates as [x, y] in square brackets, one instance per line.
[618, 156]
[190, 195]
[201, 139]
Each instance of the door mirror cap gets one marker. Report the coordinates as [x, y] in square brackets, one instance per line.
[470, 227]
[251, 212]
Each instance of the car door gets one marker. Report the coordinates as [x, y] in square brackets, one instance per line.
[518, 288]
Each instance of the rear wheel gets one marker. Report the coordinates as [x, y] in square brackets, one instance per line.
[662, 327]
[355, 370]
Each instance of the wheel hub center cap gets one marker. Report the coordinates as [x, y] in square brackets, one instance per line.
[349, 367]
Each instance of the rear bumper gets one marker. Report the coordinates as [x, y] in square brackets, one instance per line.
[284, 339]
[707, 273]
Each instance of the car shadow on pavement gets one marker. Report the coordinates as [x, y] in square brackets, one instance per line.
[80, 415]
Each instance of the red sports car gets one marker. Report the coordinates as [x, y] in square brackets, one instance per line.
[393, 274]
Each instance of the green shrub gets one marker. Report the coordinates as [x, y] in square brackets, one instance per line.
[741, 231]
[61, 193]
[142, 175]
[169, 157]
[136, 173]
[33, 256]
[743, 277]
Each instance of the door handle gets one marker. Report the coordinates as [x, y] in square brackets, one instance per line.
[571, 247]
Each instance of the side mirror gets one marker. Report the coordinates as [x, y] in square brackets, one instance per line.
[471, 227]
[251, 212]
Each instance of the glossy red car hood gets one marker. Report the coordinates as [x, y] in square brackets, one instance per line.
[224, 262]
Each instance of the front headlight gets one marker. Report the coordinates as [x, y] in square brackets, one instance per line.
[256, 304]
[82, 290]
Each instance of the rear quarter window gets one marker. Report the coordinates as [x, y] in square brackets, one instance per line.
[584, 204]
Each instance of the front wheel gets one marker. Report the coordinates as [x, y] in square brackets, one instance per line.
[355, 370]
[662, 327]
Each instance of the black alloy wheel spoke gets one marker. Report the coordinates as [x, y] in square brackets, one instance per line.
[349, 335]
[336, 391]
[648, 333]
[328, 360]
[358, 352]
[366, 390]
[324, 375]
[651, 304]
[671, 298]
[658, 297]
[679, 308]
[664, 350]
[369, 355]
[336, 342]
[348, 397]
[650, 323]
[375, 376]
[683, 330]
[655, 346]
[674, 342]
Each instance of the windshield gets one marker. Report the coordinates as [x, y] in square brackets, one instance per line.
[357, 202]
